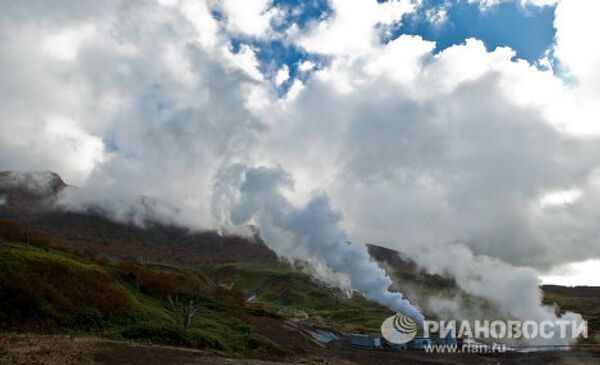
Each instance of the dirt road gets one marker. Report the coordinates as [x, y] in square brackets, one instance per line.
[30, 349]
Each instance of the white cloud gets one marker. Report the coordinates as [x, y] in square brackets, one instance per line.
[400, 59]
[438, 15]
[560, 198]
[65, 43]
[539, 2]
[579, 273]
[282, 75]
[246, 60]
[486, 4]
[251, 17]
[461, 134]
[306, 66]
[163, 92]
[78, 150]
[294, 90]
[576, 39]
[351, 30]
[198, 14]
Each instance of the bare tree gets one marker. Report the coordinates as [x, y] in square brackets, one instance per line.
[187, 312]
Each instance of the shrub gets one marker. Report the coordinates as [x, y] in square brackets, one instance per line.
[62, 290]
[9, 231]
[37, 237]
[152, 282]
[88, 318]
[230, 295]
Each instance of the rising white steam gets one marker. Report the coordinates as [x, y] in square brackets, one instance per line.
[311, 233]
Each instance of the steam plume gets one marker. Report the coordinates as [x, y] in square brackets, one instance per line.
[311, 232]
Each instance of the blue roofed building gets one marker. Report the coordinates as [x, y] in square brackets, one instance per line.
[367, 341]
[419, 343]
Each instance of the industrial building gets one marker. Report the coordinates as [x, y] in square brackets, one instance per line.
[417, 343]
[366, 341]
[448, 340]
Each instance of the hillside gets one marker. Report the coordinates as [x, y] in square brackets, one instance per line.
[44, 290]
[130, 300]
[87, 274]
[420, 285]
[27, 199]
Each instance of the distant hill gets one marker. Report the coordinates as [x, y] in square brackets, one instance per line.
[419, 285]
[28, 200]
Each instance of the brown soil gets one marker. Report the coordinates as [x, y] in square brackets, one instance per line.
[32, 349]
[277, 331]
[359, 356]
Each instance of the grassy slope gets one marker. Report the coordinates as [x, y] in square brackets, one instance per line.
[289, 290]
[50, 290]
[580, 299]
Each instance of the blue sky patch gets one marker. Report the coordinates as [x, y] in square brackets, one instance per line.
[274, 54]
[302, 12]
[529, 31]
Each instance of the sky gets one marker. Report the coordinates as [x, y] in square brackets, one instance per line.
[463, 133]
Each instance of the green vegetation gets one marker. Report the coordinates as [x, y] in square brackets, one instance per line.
[51, 287]
[46, 289]
[579, 299]
[289, 290]
[54, 291]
